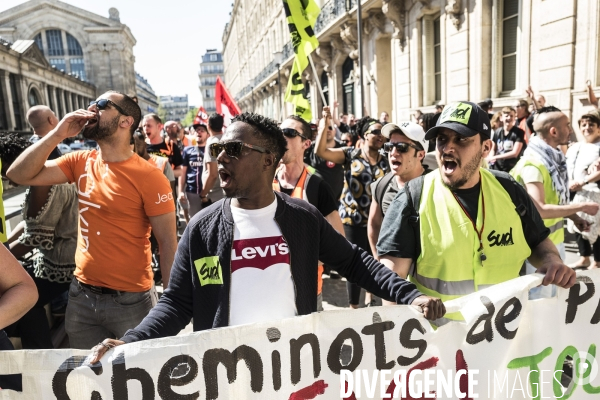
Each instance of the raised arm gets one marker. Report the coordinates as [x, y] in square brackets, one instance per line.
[336, 115]
[31, 167]
[330, 154]
[591, 96]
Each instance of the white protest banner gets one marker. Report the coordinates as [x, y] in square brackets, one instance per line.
[507, 348]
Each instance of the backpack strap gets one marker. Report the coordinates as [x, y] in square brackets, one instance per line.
[413, 189]
[508, 183]
[381, 187]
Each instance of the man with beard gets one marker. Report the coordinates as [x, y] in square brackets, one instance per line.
[247, 284]
[121, 197]
[543, 172]
[473, 227]
[176, 133]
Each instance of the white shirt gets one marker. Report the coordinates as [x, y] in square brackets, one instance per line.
[262, 288]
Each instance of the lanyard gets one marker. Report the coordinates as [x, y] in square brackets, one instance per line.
[479, 232]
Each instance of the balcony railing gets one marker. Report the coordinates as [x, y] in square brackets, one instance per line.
[332, 10]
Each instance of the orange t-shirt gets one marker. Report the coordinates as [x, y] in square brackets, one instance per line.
[115, 201]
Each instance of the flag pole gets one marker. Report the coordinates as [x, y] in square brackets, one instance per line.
[360, 58]
[312, 64]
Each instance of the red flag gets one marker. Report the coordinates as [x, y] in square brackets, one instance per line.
[226, 105]
[202, 117]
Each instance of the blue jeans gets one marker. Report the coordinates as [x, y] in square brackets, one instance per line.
[91, 317]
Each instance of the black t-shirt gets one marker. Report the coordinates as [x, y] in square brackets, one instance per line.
[397, 239]
[505, 143]
[162, 150]
[319, 195]
[331, 173]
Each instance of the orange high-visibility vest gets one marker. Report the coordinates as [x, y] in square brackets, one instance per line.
[299, 192]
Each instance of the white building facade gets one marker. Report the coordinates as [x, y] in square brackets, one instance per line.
[27, 80]
[419, 53]
[96, 49]
[176, 107]
[147, 99]
[210, 68]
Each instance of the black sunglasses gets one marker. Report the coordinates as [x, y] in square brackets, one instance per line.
[233, 149]
[103, 103]
[400, 147]
[374, 132]
[292, 133]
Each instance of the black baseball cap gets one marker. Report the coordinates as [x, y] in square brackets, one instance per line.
[465, 118]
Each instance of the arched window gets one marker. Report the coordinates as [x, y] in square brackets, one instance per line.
[70, 61]
[348, 85]
[34, 98]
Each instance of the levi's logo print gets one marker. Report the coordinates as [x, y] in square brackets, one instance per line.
[260, 253]
[456, 112]
[209, 271]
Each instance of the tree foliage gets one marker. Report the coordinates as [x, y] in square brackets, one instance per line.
[189, 117]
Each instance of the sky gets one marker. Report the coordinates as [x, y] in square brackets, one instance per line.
[171, 37]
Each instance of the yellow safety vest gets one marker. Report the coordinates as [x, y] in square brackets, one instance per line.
[557, 233]
[450, 265]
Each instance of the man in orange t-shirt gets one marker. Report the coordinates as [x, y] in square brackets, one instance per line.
[121, 197]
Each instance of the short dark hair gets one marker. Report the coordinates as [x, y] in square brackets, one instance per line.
[548, 109]
[271, 137]
[131, 108]
[215, 122]
[306, 129]
[363, 124]
[11, 147]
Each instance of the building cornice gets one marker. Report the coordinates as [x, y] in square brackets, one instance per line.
[25, 9]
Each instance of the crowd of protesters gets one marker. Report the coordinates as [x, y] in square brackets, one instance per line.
[101, 224]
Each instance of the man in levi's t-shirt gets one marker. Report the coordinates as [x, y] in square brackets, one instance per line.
[121, 197]
[254, 256]
[260, 263]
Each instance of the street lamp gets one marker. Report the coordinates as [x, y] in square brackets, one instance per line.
[278, 58]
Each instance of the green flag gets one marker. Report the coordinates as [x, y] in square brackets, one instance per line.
[301, 17]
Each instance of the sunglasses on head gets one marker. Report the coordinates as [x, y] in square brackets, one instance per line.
[233, 149]
[374, 132]
[400, 147]
[103, 103]
[292, 133]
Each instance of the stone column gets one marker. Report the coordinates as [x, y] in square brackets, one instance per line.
[6, 97]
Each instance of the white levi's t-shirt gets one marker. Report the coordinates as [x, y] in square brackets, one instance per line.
[262, 288]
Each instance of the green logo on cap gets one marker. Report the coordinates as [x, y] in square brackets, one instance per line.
[457, 112]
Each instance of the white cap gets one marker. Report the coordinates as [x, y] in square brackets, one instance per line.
[411, 130]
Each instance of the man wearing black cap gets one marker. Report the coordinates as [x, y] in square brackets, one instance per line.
[474, 228]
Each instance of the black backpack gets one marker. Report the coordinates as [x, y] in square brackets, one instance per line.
[414, 187]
